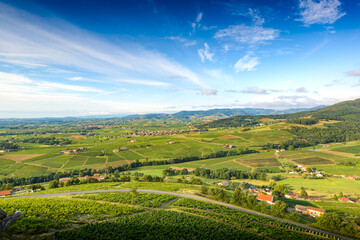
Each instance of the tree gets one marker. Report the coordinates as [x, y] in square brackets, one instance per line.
[330, 221]
[54, 184]
[279, 209]
[303, 193]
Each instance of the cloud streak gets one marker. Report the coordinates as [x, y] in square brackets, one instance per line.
[33, 41]
[246, 63]
[248, 34]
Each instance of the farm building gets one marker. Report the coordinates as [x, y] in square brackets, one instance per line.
[5, 193]
[64, 179]
[310, 211]
[224, 183]
[345, 199]
[292, 195]
[267, 198]
[123, 149]
[116, 150]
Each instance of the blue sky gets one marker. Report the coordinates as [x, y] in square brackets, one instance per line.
[75, 58]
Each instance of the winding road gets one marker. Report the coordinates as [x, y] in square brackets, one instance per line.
[184, 195]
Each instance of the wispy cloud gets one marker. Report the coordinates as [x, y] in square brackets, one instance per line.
[247, 62]
[255, 91]
[248, 34]
[208, 92]
[144, 82]
[320, 12]
[186, 42]
[198, 19]
[301, 90]
[354, 73]
[18, 83]
[205, 53]
[33, 40]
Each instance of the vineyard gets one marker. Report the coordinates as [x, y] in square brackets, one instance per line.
[143, 199]
[41, 215]
[253, 223]
[159, 224]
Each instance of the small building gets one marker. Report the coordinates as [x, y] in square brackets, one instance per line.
[267, 198]
[292, 195]
[282, 150]
[116, 150]
[170, 142]
[133, 140]
[345, 199]
[5, 193]
[224, 183]
[315, 212]
[64, 179]
[310, 211]
[123, 149]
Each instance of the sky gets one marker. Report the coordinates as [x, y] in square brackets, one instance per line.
[80, 58]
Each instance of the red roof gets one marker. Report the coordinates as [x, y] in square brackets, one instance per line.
[265, 197]
[344, 199]
[5, 192]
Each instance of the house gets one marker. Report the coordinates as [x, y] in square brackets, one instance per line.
[228, 146]
[267, 198]
[133, 140]
[310, 211]
[224, 183]
[282, 150]
[345, 199]
[64, 179]
[123, 149]
[170, 143]
[5, 193]
[292, 195]
[116, 150]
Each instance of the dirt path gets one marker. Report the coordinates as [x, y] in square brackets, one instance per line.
[137, 153]
[185, 195]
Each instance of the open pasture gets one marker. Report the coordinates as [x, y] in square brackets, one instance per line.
[313, 161]
[354, 149]
[20, 157]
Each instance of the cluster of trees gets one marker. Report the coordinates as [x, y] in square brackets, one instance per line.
[170, 171]
[7, 145]
[229, 174]
[332, 222]
[304, 121]
[335, 132]
[237, 121]
[289, 144]
[47, 141]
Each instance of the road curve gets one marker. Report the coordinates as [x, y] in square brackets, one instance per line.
[185, 195]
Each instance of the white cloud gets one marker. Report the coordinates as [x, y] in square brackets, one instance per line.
[18, 83]
[246, 63]
[248, 34]
[208, 92]
[255, 15]
[320, 12]
[145, 82]
[205, 53]
[184, 41]
[301, 90]
[254, 91]
[35, 41]
[199, 17]
[197, 24]
[354, 73]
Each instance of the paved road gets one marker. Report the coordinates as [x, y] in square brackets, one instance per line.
[185, 195]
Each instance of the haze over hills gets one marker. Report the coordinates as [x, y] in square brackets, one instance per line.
[182, 116]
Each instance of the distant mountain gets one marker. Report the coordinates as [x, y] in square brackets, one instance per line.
[179, 117]
[212, 114]
[344, 111]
